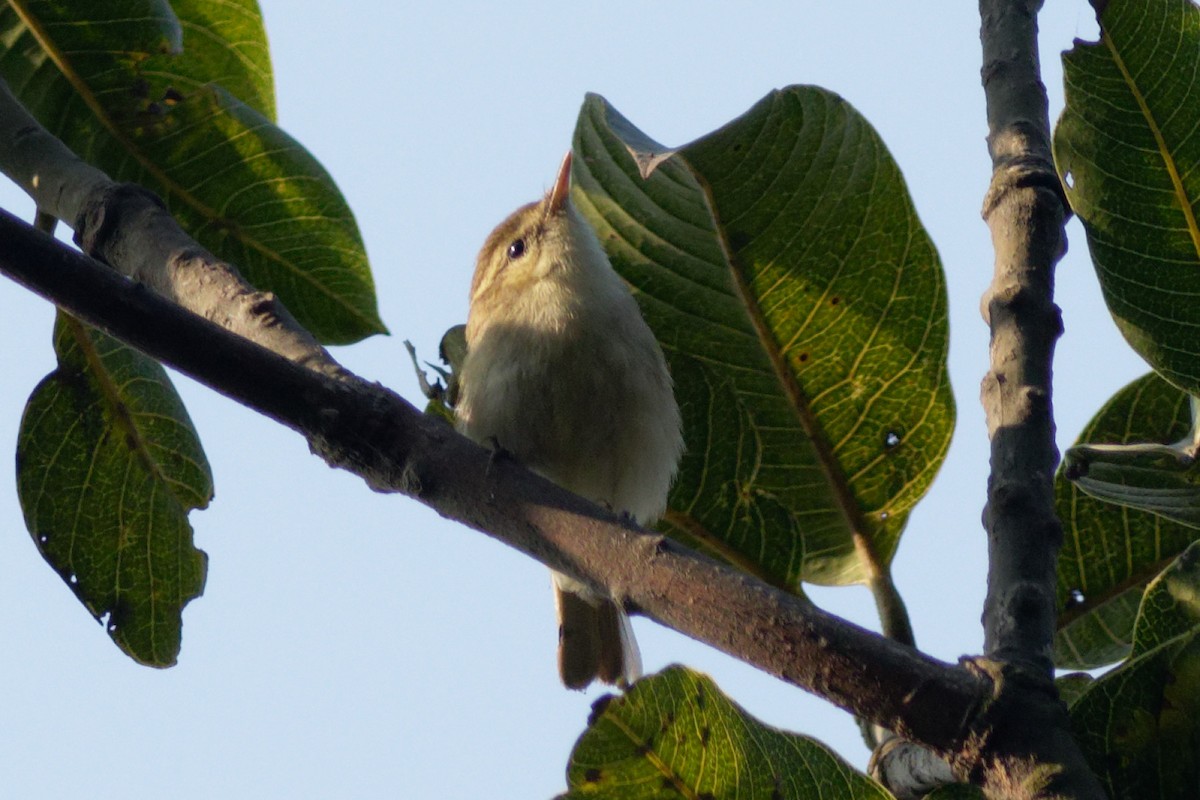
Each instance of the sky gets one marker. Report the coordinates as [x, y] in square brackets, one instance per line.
[352, 644]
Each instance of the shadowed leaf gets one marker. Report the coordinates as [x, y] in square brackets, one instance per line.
[803, 311]
[1139, 725]
[1127, 147]
[676, 735]
[108, 466]
[1110, 552]
[1171, 606]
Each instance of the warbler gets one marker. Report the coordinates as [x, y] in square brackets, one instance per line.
[564, 373]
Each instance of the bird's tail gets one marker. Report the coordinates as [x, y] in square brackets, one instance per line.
[595, 639]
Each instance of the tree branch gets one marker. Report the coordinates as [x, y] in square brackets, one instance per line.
[128, 227]
[345, 421]
[372, 432]
[1025, 209]
[375, 434]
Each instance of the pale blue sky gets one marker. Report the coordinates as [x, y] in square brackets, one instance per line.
[356, 645]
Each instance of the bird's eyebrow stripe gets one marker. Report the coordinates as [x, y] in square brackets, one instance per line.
[504, 232]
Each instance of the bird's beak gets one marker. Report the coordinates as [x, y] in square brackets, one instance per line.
[561, 191]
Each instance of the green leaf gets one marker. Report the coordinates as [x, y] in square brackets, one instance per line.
[802, 308]
[1171, 605]
[108, 466]
[132, 88]
[1139, 725]
[1073, 686]
[226, 43]
[1126, 150]
[1109, 552]
[676, 735]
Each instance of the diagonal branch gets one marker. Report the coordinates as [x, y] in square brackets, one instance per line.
[127, 227]
[375, 434]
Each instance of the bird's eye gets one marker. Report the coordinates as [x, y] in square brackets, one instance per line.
[516, 249]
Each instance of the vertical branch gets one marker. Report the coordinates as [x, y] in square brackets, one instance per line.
[1029, 747]
[1025, 210]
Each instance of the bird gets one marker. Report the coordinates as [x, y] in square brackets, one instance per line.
[563, 373]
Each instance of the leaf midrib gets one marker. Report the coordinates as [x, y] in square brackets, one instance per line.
[119, 411]
[1159, 140]
[1136, 580]
[646, 750]
[797, 398]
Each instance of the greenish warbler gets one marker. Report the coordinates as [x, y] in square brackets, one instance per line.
[563, 372]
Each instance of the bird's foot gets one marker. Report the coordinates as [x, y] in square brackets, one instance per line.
[498, 453]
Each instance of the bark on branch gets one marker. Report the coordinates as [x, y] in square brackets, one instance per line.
[1025, 209]
[127, 227]
[377, 435]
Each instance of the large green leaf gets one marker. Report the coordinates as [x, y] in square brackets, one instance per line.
[134, 89]
[802, 308]
[1127, 149]
[1139, 725]
[676, 735]
[108, 466]
[1110, 552]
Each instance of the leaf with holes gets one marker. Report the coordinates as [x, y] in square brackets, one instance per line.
[1148, 709]
[802, 308]
[1127, 149]
[1109, 552]
[108, 466]
[151, 97]
[676, 735]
